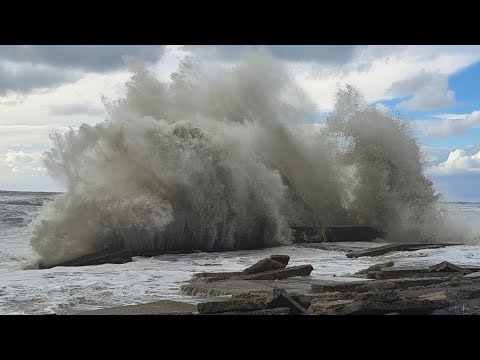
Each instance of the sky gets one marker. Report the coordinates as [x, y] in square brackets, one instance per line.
[49, 88]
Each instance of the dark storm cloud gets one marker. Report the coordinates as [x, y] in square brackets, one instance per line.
[96, 58]
[320, 53]
[26, 79]
[47, 66]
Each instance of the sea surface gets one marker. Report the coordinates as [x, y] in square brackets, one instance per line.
[65, 289]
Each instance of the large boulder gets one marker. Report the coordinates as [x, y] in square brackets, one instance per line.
[214, 307]
[284, 259]
[264, 265]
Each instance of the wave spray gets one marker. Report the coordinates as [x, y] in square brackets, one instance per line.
[221, 158]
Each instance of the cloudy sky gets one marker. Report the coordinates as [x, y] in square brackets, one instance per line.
[45, 89]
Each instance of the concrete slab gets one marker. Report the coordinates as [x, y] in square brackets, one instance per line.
[279, 274]
[103, 257]
[380, 250]
[162, 307]
[231, 287]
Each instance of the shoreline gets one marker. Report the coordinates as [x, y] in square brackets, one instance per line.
[270, 287]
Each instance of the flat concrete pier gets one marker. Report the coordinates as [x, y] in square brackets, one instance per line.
[162, 307]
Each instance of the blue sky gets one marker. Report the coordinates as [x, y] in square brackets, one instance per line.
[456, 180]
[45, 89]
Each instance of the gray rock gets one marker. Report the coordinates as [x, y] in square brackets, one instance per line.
[473, 275]
[445, 266]
[326, 296]
[224, 287]
[376, 267]
[214, 276]
[103, 257]
[161, 307]
[329, 307]
[215, 307]
[284, 259]
[276, 311]
[334, 286]
[263, 266]
[280, 298]
[301, 270]
[399, 283]
[363, 286]
[402, 306]
[380, 250]
[436, 295]
[395, 273]
[302, 299]
[379, 295]
[249, 295]
[468, 293]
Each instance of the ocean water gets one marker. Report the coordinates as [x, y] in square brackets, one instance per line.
[65, 289]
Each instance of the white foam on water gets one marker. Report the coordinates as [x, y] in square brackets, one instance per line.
[67, 289]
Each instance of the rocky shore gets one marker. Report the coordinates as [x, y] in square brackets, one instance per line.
[271, 287]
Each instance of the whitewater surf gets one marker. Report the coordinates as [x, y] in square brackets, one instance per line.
[227, 158]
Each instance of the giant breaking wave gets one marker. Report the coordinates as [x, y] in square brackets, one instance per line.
[223, 158]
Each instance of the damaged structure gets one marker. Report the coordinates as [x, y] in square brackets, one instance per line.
[443, 288]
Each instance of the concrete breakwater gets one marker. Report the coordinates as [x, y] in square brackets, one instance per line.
[119, 254]
[444, 288]
[271, 287]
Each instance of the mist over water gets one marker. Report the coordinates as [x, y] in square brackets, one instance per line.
[220, 159]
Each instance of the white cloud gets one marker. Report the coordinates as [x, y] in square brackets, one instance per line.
[374, 72]
[458, 161]
[429, 98]
[21, 162]
[372, 69]
[25, 171]
[26, 181]
[450, 116]
[449, 124]
[25, 68]
[434, 155]
[29, 138]
[75, 109]
[430, 91]
[26, 121]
